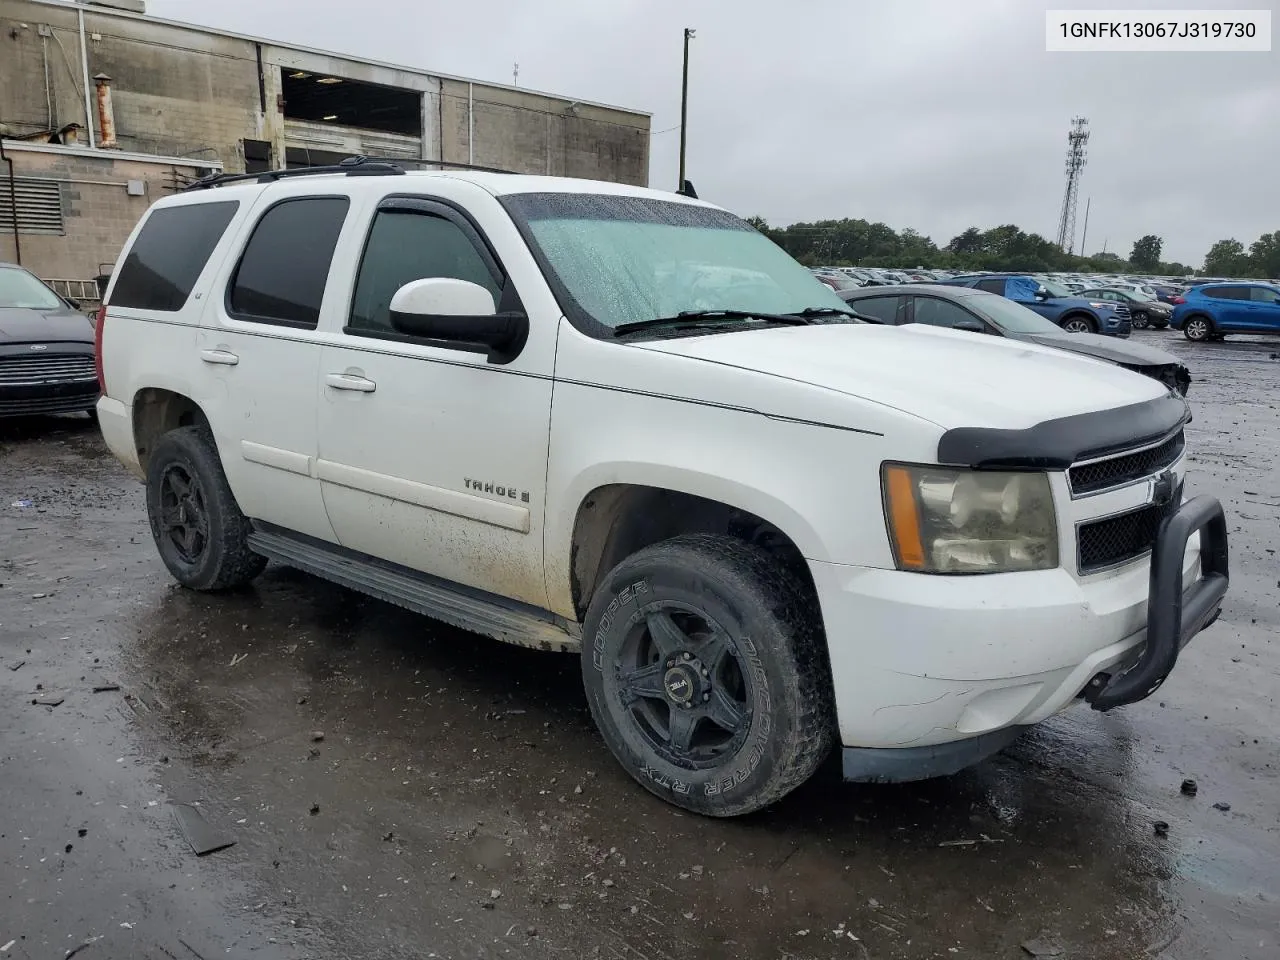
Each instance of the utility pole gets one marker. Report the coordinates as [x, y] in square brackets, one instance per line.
[1085, 232]
[684, 103]
[515, 75]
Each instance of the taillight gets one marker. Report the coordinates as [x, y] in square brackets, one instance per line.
[99, 322]
[1176, 299]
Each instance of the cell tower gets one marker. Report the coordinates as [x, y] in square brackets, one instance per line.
[1077, 140]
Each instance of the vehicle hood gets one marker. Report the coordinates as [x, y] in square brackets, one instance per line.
[23, 325]
[1106, 348]
[951, 378]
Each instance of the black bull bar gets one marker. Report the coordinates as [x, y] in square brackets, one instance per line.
[1173, 616]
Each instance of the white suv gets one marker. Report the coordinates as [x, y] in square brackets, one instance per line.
[584, 416]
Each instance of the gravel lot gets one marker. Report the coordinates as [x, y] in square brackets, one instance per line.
[398, 789]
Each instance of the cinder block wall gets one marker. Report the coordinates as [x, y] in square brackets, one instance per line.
[97, 212]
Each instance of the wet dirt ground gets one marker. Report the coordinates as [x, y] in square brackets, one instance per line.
[460, 804]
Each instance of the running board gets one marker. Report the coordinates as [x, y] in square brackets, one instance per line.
[487, 614]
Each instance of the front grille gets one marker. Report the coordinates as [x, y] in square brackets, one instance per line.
[1115, 540]
[36, 369]
[1114, 471]
[1122, 310]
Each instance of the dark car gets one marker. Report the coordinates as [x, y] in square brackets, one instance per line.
[1143, 312]
[963, 308]
[46, 349]
[1069, 311]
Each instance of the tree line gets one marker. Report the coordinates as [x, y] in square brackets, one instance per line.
[860, 243]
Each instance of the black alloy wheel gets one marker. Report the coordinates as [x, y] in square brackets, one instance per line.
[184, 518]
[681, 679]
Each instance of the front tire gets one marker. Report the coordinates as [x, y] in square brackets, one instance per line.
[202, 536]
[1140, 320]
[1078, 323]
[706, 670]
[1198, 329]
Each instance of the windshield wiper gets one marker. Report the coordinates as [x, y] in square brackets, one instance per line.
[693, 318]
[828, 312]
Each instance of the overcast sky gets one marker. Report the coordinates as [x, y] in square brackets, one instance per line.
[932, 114]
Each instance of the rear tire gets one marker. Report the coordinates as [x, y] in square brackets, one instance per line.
[705, 666]
[202, 536]
[1140, 320]
[1078, 323]
[1198, 329]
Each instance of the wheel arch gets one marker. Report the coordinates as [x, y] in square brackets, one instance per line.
[614, 520]
[156, 411]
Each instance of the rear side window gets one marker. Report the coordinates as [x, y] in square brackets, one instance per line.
[991, 286]
[170, 252]
[1227, 293]
[281, 276]
[1264, 295]
[884, 309]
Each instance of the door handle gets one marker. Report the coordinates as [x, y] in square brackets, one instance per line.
[224, 357]
[347, 381]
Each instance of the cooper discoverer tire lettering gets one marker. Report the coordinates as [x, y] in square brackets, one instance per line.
[198, 528]
[706, 671]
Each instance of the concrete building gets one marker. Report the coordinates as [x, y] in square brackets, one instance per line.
[103, 109]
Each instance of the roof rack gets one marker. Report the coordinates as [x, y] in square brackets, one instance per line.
[359, 166]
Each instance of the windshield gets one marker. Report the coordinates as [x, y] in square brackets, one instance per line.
[1055, 289]
[21, 289]
[1010, 316]
[628, 259]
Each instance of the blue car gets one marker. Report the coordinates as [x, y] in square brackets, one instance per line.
[1211, 311]
[1055, 302]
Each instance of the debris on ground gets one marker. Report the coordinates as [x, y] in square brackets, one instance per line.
[315, 809]
[21, 505]
[1222, 805]
[982, 838]
[317, 736]
[17, 665]
[1190, 788]
[48, 700]
[1042, 948]
[1161, 828]
[105, 686]
[237, 658]
[203, 837]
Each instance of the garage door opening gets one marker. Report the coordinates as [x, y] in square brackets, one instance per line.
[351, 103]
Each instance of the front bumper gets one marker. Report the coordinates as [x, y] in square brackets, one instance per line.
[54, 397]
[1116, 326]
[933, 672]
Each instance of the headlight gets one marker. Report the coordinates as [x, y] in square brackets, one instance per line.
[943, 520]
[1101, 306]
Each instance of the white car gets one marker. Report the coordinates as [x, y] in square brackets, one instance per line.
[590, 417]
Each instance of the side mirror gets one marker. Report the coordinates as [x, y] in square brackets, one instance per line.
[73, 304]
[972, 326]
[1042, 293]
[458, 313]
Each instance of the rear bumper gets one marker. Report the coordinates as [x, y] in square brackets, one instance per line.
[115, 419]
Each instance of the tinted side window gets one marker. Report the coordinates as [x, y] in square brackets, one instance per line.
[940, 313]
[1227, 293]
[170, 252]
[405, 246]
[991, 286]
[1263, 295]
[282, 274]
[884, 309]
